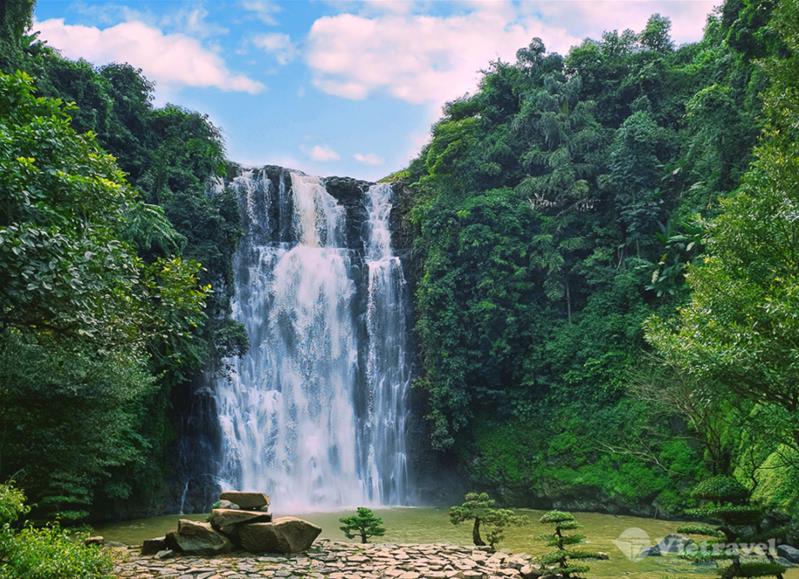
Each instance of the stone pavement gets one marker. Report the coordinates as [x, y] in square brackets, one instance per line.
[335, 560]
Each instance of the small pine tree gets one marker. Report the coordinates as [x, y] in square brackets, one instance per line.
[561, 556]
[479, 507]
[727, 501]
[363, 523]
[496, 520]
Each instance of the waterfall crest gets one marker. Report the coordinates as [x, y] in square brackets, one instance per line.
[291, 411]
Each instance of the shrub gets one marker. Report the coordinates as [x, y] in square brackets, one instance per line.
[364, 523]
[12, 504]
[48, 552]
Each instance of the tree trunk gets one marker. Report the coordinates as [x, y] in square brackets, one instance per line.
[476, 538]
[364, 538]
[568, 301]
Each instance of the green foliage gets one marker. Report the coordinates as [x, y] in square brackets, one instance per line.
[698, 529]
[48, 552]
[479, 508]
[364, 524]
[114, 269]
[83, 317]
[721, 489]
[12, 504]
[71, 418]
[560, 558]
[739, 329]
[556, 211]
[727, 501]
[495, 523]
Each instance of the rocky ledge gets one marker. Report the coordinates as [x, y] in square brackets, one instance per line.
[334, 560]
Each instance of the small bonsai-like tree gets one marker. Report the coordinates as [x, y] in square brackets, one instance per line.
[479, 507]
[727, 502]
[364, 524]
[496, 521]
[561, 557]
[476, 507]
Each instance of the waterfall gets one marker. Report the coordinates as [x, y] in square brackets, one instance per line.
[387, 373]
[288, 410]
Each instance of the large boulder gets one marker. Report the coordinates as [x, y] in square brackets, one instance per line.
[152, 546]
[225, 520]
[196, 538]
[246, 500]
[284, 535]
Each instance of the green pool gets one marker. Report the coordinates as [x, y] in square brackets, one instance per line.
[431, 525]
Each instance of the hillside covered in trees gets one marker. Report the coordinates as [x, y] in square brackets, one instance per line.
[559, 211]
[604, 264]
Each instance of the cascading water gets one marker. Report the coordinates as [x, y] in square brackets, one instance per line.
[287, 410]
[386, 371]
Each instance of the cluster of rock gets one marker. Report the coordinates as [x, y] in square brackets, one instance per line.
[239, 519]
[335, 560]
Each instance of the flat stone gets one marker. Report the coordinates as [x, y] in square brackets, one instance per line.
[246, 500]
[226, 520]
[530, 571]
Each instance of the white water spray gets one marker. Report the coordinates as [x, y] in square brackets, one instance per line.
[288, 408]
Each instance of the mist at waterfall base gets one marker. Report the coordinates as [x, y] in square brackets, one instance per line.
[315, 413]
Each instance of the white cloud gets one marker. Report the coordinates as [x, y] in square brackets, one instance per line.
[432, 59]
[370, 159]
[192, 21]
[171, 60]
[419, 59]
[590, 18]
[263, 10]
[322, 153]
[278, 45]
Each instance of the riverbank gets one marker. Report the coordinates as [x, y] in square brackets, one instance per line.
[334, 560]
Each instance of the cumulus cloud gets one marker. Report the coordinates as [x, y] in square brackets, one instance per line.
[370, 159]
[416, 58]
[171, 60]
[430, 59]
[323, 153]
[264, 10]
[278, 45]
[590, 18]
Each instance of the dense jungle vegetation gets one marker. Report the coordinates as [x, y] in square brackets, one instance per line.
[113, 275]
[607, 242]
[606, 251]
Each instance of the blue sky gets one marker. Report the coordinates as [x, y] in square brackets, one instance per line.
[331, 87]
